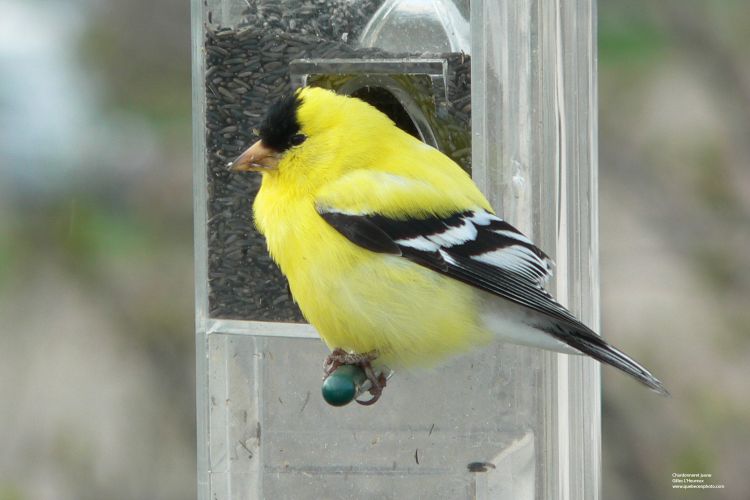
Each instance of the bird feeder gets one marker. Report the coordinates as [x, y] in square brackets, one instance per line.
[506, 89]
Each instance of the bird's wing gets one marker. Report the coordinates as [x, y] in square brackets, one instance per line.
[467, 243]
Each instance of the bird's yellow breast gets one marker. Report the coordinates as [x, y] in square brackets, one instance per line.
[360, 300]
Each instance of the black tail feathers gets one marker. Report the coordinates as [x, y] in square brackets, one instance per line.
[586, 341]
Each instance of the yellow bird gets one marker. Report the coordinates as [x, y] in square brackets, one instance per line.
[390, 249]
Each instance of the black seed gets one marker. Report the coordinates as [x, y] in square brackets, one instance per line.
[227, 94]
[246, 70]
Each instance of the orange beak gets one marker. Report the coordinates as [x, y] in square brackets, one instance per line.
[257, 158]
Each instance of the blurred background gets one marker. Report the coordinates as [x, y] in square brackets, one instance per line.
[96, 290]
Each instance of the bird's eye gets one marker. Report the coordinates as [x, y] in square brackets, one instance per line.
[297, 139]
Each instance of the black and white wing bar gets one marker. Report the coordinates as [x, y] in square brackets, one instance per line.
[480, 249]
[474, 246]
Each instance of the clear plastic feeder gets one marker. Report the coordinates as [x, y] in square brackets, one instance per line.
[507, 89]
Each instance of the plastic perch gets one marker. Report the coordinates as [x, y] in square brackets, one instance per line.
[346, 384]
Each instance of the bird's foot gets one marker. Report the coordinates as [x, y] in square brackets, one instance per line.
[340, 357]
[377, 384]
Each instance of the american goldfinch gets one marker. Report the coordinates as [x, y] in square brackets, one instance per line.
[390, 249]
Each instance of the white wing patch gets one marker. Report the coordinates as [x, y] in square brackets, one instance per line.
[514, 235]
[513, 251]
[477, 235]
[455, 235]
[473, 246]
[483, 218]
[518, 259]
[444, 236]
[470, 236]
[418, 243]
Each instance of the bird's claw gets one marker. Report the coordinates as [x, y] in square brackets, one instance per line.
[377, 384]
[340, 357]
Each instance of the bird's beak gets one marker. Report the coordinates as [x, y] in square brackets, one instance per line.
[257, 158]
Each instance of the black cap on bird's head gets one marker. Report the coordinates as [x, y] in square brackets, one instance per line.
[279, 131]
[281, 124]
[329, 125]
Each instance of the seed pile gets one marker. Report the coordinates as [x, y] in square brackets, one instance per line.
[246, 68]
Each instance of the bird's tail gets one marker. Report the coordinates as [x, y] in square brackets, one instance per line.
[583, 339]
